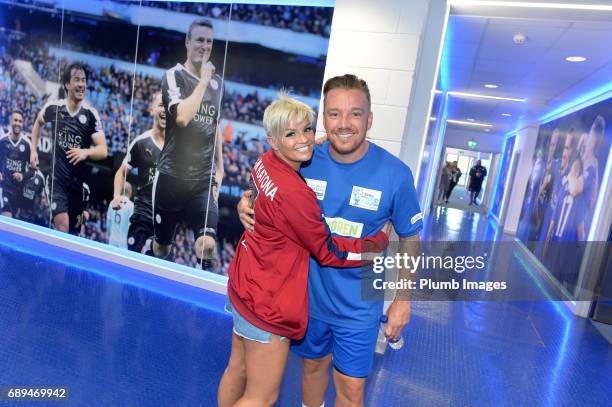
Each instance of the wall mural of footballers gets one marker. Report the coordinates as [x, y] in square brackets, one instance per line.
[568, 164]
[23, 192]
[146, 115]
[503, 177]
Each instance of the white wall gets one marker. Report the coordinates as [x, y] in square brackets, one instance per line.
[491, 177]
[525, 145]
[379, 42]
[492, 143]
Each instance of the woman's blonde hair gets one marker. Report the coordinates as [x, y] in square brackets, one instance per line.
[279, 113]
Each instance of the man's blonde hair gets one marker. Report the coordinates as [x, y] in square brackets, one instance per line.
[279, 113]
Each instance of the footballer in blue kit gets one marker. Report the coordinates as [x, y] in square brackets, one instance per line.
[560, 169]
[374, 195]
[568, 226]
[360, 187]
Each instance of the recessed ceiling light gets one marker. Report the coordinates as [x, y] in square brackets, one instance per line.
[476, 95]
[575, 59]
[487, 130]
[506, 114]
[491, 86]
[469, 123]
[470, 119]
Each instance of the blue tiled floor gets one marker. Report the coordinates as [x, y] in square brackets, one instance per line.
[130, 341]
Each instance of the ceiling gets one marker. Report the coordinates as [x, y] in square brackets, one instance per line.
[479, 49]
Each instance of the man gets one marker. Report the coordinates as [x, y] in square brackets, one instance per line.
[14, 160]
[455, 176]
[142, 157]
[552, 167]
[79, 136]
[360, 186]
[192, 95]
[561, 169]
[32, 197]
[477, 175]
[567, 226]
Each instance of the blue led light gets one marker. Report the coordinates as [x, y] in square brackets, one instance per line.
[497, 179]
[590, 97]
[445, 60]
[434, 159]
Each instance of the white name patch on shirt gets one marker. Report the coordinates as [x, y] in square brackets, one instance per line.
[344, 227]
[365, 198]
[416, 218]
[318, 186]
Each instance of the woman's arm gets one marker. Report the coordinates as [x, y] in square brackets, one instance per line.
[301, 220]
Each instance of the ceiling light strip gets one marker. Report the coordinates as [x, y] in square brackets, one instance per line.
[525, 4]
[469, 123]
[479, 96]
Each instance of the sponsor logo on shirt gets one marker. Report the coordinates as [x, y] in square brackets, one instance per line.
[318, 187]
[416, 218]
[14, 165]
[365, 198]
[206, 114]
[66, 140]
[344, 227]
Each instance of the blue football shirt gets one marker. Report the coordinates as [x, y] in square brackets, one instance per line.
[357, 199]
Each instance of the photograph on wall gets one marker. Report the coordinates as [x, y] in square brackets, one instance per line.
[503, 177]
[23, 93]
[568, 165]
[104, 101]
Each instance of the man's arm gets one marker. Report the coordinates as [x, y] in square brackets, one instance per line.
[219, 170]
[97, 152]
[245, 212]
[118, 184]
[38, 123]
[187, 108]
[399, 310]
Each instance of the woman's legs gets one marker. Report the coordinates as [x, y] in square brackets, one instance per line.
[265, 365]
[233, 381]
[451, 186]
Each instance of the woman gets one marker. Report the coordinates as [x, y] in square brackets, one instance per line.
[444, 182]
[267, 287]
[455, 176]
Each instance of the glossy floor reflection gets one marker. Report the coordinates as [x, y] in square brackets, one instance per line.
[118, 338]
[460, 199]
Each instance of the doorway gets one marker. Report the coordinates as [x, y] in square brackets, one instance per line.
[466, 159]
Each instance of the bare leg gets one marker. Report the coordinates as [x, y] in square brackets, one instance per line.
[60, 222]
[233, 381]
[315, 379]
[349, 390]
[265, 365]
[161, 251]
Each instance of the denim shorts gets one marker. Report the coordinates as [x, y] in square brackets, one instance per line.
[245, 329]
